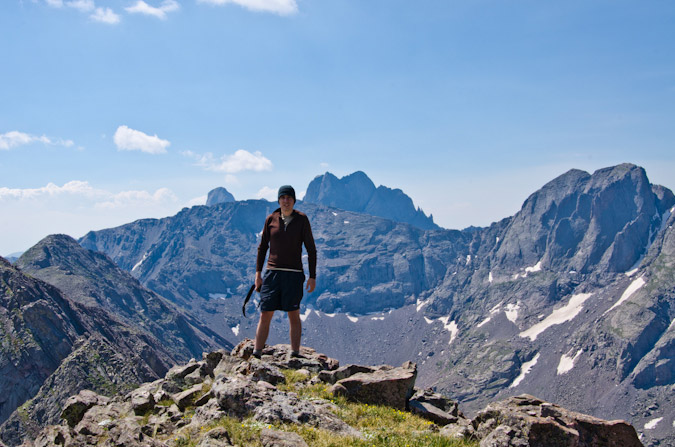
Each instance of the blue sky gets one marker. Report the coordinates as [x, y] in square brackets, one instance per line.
[115, 110]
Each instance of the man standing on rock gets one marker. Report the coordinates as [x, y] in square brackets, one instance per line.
[284, 233]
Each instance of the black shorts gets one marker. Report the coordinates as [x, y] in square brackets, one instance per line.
[281, 290]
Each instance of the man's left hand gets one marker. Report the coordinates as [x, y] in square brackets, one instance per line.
[311, 285]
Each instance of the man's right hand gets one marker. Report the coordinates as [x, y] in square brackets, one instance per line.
[258, 281]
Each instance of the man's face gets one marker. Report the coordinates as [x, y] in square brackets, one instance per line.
[286, 203]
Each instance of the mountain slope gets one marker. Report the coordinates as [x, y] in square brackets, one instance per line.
[93, 280]
[99, 330]
[39, 328]
[42, 329]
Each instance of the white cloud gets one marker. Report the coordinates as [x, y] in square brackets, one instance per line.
[281, 7]
[55, 3]
[82, 5]
[240, 161]
[160, 12]
[74, 208]
[74, 187]
[83, 190]
[201, 200]
[267, 193]
[135, 198]
[127, 139]
[15, 138]
[105, 15]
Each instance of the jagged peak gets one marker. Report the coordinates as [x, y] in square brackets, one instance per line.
[357, 192]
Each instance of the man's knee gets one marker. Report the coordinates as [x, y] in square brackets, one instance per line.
[294, 317]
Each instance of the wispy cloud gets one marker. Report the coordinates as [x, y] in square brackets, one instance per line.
[134, 198]
[267, 193]
[105, 15]
[74, 187]
[15, 138]
[81, 5]
[240, 161]
[127, 139]
[156, 11]
[83, 190]
[201, 200]
[98, 14]
[281, 7]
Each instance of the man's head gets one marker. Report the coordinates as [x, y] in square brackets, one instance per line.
[286, 190]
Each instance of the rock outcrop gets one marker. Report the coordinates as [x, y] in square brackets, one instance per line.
[530, 422]
[391, 387]
[193, 401]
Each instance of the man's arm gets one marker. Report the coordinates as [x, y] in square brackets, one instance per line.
[262, 252]
[310, 246]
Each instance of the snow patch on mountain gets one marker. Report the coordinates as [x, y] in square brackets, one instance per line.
[567, 363]
[450, 327]
[139, 263]
[525, 370]
[512, 312]
[558, 316]
[421, 304]
[306, 314]
[651, 425]
[630, 290]
[484, 322]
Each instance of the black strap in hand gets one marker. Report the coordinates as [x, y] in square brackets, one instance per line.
[248, 297]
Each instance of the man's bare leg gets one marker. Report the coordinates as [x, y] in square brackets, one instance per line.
[263, 330]
[296, 329]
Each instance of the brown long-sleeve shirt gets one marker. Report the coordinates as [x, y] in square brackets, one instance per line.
[285, 244]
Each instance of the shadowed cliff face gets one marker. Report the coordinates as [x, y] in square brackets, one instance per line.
[38, 327]
[575, 288]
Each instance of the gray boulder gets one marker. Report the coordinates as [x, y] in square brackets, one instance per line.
[387, 386]
[77, 405]
[275, 438]
[530, 422]
[217, 437]
[435, 407]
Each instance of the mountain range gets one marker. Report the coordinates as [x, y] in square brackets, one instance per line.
[571, 299]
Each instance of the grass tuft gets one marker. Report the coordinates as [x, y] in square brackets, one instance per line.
[380, 426]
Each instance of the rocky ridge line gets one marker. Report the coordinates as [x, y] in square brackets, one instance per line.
[191, 397]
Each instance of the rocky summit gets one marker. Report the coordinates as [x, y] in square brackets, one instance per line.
[228, 399]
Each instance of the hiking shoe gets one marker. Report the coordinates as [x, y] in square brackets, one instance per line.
[257, 353]
[296, 355]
